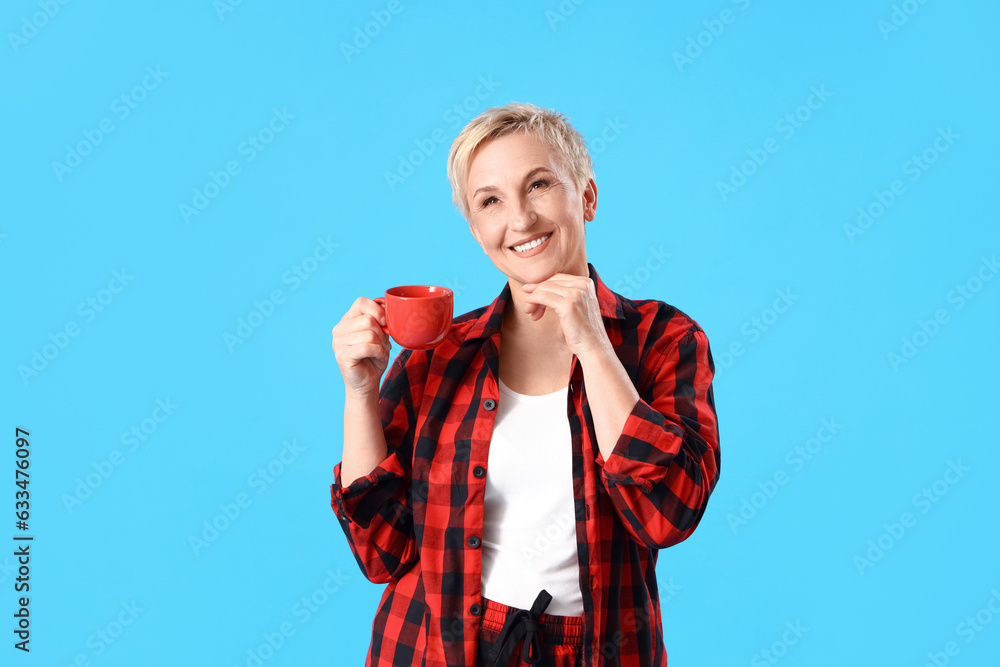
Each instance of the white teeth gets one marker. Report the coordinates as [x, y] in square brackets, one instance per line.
[532, 244]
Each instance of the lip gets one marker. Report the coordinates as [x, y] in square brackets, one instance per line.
[533, 251]
[528, 240]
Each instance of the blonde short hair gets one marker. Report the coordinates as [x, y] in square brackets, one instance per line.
[548, 125]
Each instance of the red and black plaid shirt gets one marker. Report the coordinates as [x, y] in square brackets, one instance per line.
[409, 521]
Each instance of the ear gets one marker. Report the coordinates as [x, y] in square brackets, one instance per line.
[589, 200]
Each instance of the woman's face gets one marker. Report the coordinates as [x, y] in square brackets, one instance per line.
[518, 191]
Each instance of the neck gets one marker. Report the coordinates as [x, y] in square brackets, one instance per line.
[517, 322]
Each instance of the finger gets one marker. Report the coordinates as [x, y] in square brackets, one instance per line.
[361, 323]
[570, 288]
[380, 332]
[365, 306]
[555, 294]
[546, 296]
[356, 354]
[566, 279]
[367, 343]
[564, 288]
[535, 311]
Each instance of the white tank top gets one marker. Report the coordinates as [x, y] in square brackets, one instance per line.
[529, 527]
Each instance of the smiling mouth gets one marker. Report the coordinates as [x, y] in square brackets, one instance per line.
[530, 245]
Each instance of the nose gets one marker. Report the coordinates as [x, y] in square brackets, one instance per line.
[523, 215]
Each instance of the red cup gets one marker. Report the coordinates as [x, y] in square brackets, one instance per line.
[418, 317]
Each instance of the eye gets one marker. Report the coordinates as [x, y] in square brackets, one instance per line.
[540, 181]
[486, 202]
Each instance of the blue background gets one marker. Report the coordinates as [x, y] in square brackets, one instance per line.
[664, 132]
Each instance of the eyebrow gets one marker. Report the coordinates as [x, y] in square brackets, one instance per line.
[528, 176]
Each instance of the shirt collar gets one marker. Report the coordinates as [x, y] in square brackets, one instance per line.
[490, 321]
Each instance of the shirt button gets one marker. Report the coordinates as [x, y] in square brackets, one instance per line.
[489, 404]
[474, 542]
[475, 610]
[479, 471]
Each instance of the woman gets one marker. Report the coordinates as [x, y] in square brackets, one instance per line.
[514, 485]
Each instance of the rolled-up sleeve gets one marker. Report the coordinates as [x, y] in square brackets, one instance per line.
[666, 461]
[375, 510]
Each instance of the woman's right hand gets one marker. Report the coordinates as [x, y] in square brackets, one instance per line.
[362, 347]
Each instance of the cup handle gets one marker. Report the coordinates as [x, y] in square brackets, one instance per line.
[380, 300]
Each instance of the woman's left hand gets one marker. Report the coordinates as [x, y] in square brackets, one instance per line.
[574, 299]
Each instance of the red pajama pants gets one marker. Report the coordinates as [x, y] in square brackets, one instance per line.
[512, 637]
